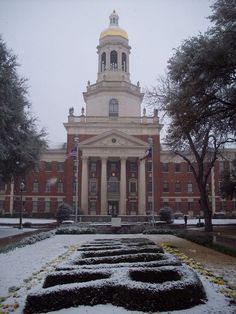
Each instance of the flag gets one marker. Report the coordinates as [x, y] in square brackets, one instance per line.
[72, 153]
[147, 154]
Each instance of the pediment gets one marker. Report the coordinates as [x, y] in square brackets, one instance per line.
[113, 138]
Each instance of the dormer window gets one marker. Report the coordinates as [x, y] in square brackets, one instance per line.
[113, 108]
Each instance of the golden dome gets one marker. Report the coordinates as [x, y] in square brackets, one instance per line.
[114, 31]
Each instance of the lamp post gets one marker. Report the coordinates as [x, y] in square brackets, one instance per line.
[150, 141]
[22, 186]
[76, 178]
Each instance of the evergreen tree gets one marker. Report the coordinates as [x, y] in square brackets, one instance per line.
[20, 142]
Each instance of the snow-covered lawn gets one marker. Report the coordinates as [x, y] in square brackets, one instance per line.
[7, 231]
[32, 220]
[25, 268]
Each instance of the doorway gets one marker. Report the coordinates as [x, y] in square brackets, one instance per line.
[113, 208]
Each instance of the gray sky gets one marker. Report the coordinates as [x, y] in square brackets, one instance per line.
[56, 40]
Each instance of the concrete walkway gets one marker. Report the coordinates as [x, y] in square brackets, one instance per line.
[220, 264]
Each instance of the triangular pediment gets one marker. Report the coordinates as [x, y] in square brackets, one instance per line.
[113, 138]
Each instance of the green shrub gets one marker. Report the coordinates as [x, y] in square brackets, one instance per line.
[63, 212]
[166, 214]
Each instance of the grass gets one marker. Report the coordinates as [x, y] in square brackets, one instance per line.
[199, 237]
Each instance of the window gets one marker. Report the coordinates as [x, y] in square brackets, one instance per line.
[165, 167]
[223, 205]
[92, 186]
[177, 186]
[2, 186]
[220, 186]
[47, 206]
[60, 187]
[35, 187]
[1, 205]
[93, 166]
[60, 166]
[149, 208]
[177, 167]
[74, 186]
[113, 185]
[234, 204]
[34, 206]
[133, 166]
[103, 62]
[221, 166]
[165, 187]
[149, 187]
[93, 206]
[113, 60]
[190, 187]
[48, 166]
[190, 206]
[149, 166]
[124, 62]
[190, 168]
[113, 166]
[133, 206]
[133, 186]
[74, 165]
[178, 206]
[48, 186]
[113, 108]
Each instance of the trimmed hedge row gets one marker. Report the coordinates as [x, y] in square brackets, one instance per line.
[183, 291]
[139, 280]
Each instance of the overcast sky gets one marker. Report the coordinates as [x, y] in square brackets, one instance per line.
[56, 40]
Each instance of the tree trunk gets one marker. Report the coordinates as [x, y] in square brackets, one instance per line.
[208, 220]
[207, 211]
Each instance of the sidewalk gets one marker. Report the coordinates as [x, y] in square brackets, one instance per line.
[220, 264]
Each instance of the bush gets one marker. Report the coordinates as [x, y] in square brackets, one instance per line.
[63, 212]
[75, 230]
[27, 224]
[166, 214]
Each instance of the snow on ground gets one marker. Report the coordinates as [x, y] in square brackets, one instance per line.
[25, 268]
[33, 220]
[7, 231]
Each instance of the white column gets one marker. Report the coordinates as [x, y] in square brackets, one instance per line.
[84, 185]
[123, 187]
[104, 187]
[142, 189]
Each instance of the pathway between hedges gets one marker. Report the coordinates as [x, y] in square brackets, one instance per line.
[220, 264]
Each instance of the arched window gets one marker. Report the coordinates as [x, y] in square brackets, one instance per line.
[113, 60]
[103, 62]
[124, 62]
[113, 108]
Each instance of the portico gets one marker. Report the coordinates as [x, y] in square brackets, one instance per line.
[111, 165]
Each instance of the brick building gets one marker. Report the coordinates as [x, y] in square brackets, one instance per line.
[108, 175]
